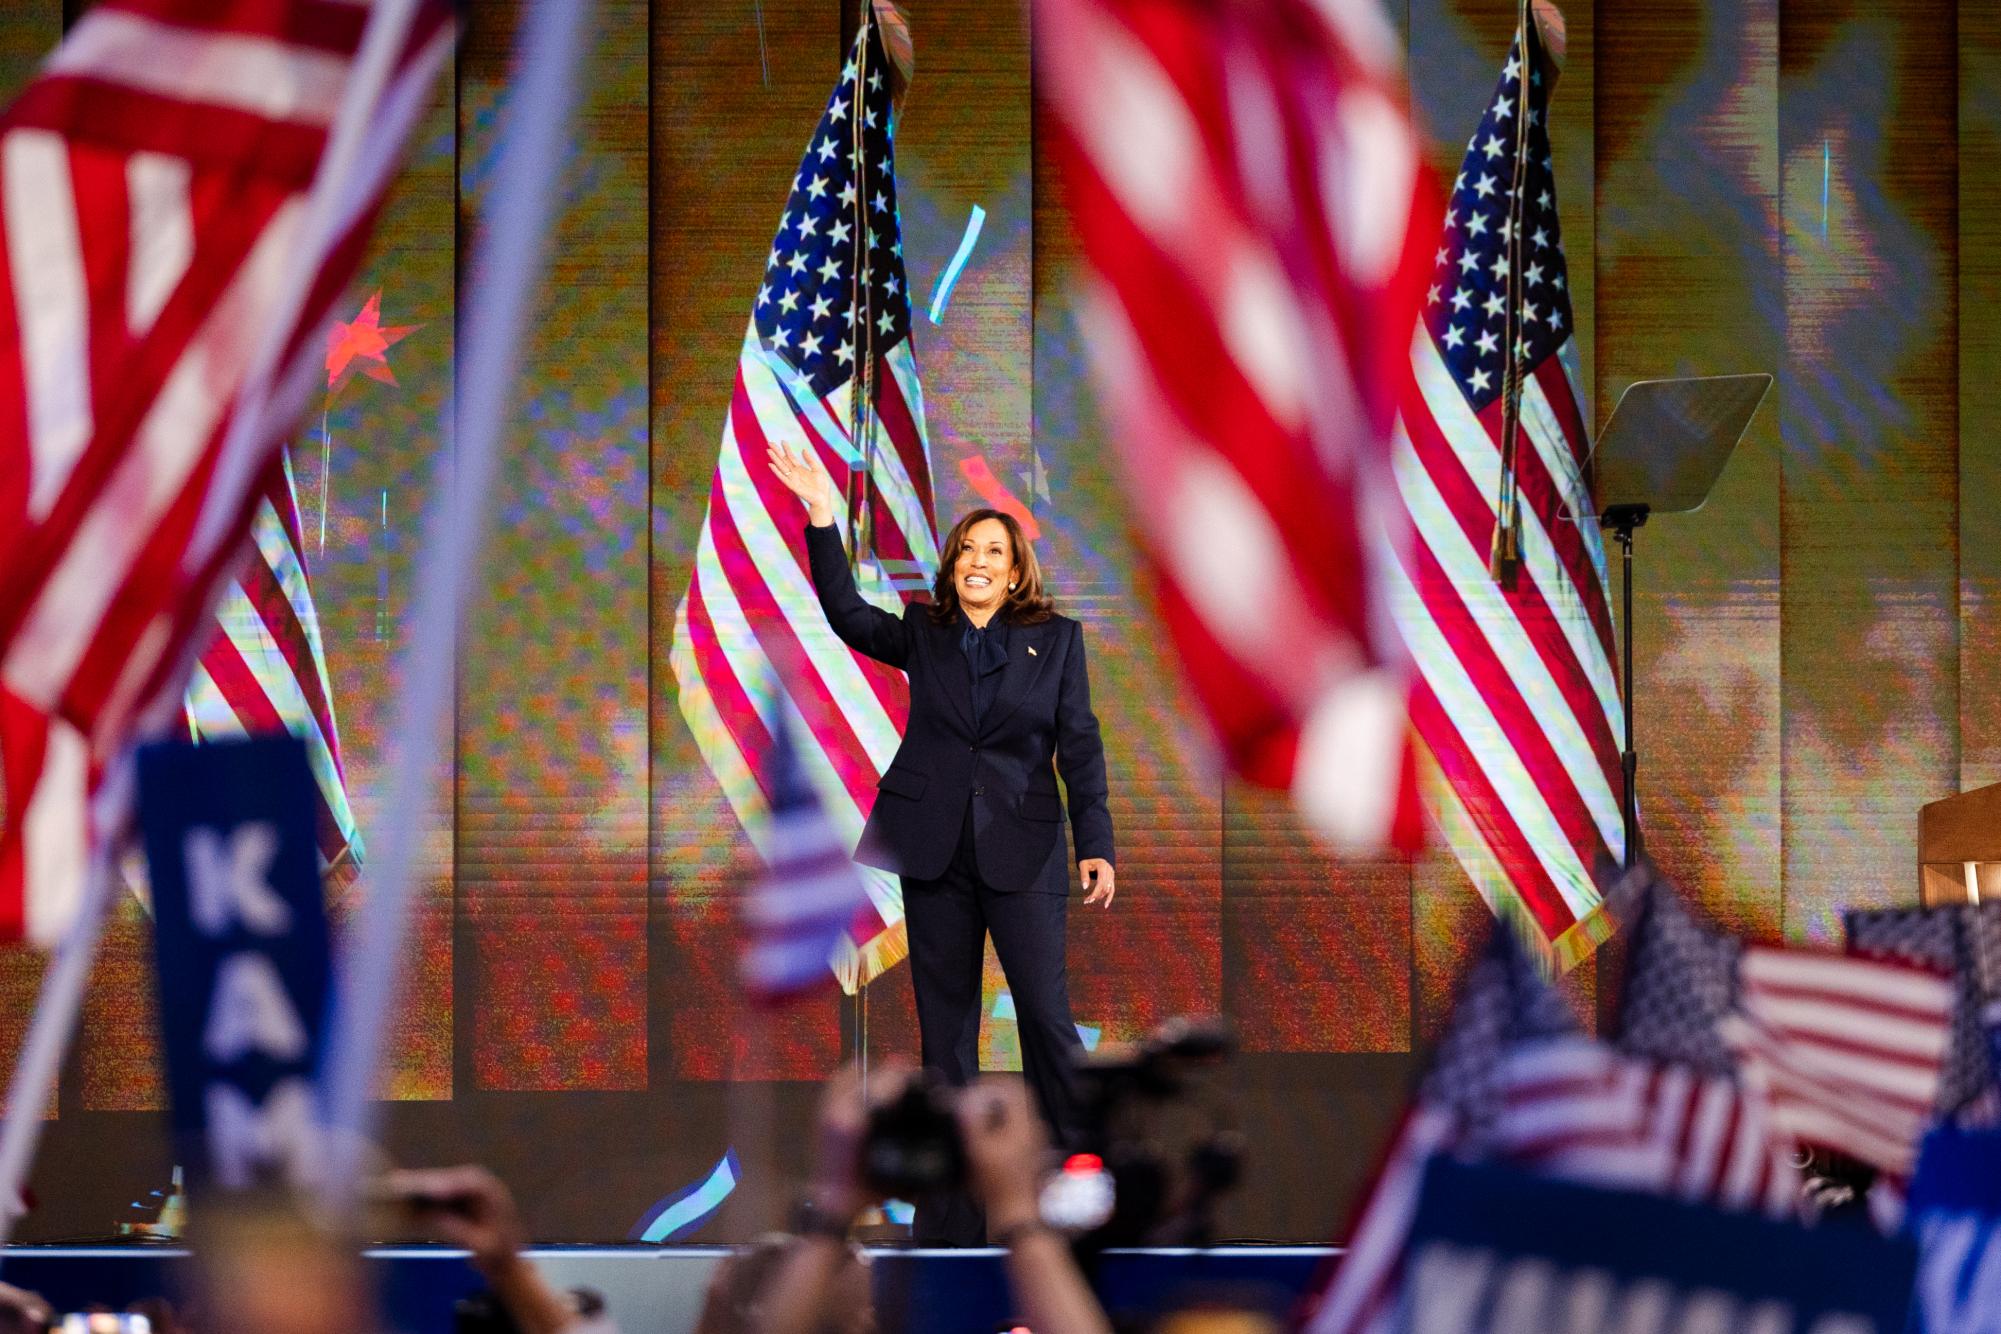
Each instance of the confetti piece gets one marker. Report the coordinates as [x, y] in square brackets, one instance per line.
[688, 1208]
[950, 277]
[990, 489]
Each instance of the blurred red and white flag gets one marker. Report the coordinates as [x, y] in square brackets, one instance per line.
[1849, 1051]
[1852, 1053]
[1247, 187]
[153, 198]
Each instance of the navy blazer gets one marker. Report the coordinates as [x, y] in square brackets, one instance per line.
[1041, 713]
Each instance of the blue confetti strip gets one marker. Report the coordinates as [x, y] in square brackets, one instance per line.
[950, 277]
[690, 1207]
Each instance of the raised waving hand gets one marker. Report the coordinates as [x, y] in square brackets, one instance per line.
[807, 478]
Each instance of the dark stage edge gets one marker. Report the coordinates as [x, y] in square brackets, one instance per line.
[658, 1289]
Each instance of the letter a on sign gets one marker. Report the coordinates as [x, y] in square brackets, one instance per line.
[250, 1012]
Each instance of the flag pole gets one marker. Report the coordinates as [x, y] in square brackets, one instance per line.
[1505, 555]
[861, 385]
[506, 266]
[68, 975]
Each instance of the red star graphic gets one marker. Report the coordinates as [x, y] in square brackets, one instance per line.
[363, 345]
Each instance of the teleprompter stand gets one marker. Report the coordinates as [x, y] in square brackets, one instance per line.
[1661, 452]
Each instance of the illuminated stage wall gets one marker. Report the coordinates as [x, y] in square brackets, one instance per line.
[1802, 187]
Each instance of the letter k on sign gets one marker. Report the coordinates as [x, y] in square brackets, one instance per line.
[232, 880]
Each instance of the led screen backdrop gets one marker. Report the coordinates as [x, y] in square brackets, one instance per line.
[1807, 188]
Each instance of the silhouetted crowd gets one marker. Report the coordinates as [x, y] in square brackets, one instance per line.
[270, 1270]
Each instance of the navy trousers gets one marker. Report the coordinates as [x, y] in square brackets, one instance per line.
[948, 921]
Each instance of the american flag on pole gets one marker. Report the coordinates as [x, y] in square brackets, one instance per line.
[265, 670]
[1516, 702]
[1514, 1080]
[153, 188]
[827, 365]
[798, 913]
[1246, 184]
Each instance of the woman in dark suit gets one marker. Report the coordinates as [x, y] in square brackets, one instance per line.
[967, 813]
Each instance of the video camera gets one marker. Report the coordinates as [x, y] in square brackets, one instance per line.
[1164, 1133]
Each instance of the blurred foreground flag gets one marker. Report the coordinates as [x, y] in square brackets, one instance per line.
[1246, 185]
[799, 912]
[1963, 941]
[1516, 704]
[153, 184]
[1513, 1079]
[826, 365]
[1850, 1052]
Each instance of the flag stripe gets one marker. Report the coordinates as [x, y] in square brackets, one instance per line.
[163, 235]
[330, 25]
[1467, 707]
[283, 634]
[1506, 846]
[1243, 180]
[50, 304]
[780, 566]
[750, 671]
[177, 433]
[1851, 1050]
[1495, 650]
[737, 731]
[775, 639]
[1551, 476]
[1453, 517]
[274, 80]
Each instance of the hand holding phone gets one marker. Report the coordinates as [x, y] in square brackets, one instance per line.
[467, 1206]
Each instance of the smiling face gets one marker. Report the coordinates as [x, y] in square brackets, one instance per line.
[984, 569]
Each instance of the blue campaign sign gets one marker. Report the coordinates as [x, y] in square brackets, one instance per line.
[1955, 1218]
[241, 936]
[1497, 1250]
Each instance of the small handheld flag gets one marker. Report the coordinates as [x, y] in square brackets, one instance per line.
[800, 910]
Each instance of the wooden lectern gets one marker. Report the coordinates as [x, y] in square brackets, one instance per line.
[1959, 848]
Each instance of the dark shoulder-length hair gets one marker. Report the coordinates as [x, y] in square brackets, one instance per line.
[1027, 602]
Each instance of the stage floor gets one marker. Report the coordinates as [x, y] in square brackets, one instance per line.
[658, 1289]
